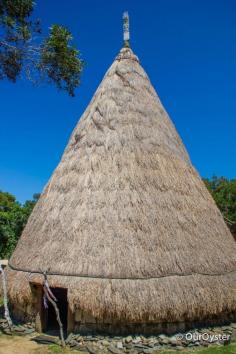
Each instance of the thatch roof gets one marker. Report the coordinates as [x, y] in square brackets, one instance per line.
[126, 217]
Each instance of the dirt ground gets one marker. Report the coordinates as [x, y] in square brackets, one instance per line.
[20, 345]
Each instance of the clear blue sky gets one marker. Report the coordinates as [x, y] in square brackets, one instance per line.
[188, 49]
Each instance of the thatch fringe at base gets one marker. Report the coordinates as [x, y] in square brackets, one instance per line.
[190, 298]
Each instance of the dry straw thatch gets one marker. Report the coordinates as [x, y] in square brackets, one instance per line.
[126, 212]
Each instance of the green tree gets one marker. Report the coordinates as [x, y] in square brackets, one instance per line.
[23, 49]
[13, 218]
[223, 191]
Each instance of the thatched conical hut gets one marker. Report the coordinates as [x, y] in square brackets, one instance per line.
[128, 233]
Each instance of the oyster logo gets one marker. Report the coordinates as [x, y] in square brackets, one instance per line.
[196, 337]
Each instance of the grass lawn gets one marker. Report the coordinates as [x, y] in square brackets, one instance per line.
[228, 349]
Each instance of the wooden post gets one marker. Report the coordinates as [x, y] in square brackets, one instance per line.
[4, 286]
[70, 319]
[51, 298]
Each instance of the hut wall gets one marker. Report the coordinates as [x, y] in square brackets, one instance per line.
[29, 310]
[23, 312]
[85, 323]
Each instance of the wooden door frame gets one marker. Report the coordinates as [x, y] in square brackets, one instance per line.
[41, 312]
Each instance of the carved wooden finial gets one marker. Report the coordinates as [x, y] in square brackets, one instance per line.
[126, 29]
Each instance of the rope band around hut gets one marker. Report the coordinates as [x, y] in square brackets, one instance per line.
[118, 278]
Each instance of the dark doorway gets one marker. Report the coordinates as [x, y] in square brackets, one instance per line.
[62, 303]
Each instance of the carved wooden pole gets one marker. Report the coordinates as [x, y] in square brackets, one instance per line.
[51, 298]
[5, 302]
[126, 35]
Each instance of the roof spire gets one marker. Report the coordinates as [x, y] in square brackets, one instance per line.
[126, 29]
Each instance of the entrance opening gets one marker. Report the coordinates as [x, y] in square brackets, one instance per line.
[62, 304]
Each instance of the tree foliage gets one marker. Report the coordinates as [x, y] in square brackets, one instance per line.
[13, 218]
[224, 194]
[59, 59]
[24, 50]
[223, 191]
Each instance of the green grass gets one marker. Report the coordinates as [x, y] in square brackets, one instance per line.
[228, 349]
[56, 349]
[53, 348]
